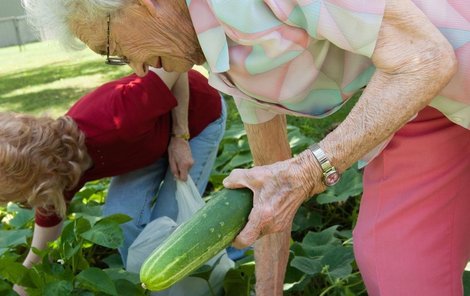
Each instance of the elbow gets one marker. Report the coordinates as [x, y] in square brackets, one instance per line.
[444, 63]
[449, 63]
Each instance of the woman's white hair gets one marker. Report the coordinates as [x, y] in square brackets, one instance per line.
[51, 18]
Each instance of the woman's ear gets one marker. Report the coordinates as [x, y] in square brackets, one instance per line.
[149, 5]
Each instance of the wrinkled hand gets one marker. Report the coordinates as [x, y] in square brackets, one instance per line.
[180, 158]
[278, 191]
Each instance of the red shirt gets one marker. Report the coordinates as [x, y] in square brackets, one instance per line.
[127, 124]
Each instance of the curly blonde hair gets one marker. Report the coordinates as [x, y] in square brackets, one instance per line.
[40, 157]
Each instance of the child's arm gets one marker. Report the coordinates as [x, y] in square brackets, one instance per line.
[41, 237]
[179, 152]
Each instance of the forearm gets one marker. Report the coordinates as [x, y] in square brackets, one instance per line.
[179, 85]
[414, 62]
[271, 251]
[41, 237]
[180, 113]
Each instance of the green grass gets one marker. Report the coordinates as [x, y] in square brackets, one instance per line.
[45, 78]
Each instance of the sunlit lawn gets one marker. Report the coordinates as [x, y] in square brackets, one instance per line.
[46, 78]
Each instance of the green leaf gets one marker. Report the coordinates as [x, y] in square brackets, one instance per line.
[58, 288]
[217, 178]
[349, 185]
[239, 160]
[11, 238]
[14, 272]
[239, 281]
[117, 218]
[113, 261]
[4, 286]
[122, 274]
[69, 250]
[203, 272]
[306, 219]
[70, 242]
[297, 141]
[297, 249]
[310, 266]
[22, 216]
[466, 282]
[105, 233]
[317, 243]
[126, 288]
[236, 131]
[338, 260]
[96, 280]
[293, 276]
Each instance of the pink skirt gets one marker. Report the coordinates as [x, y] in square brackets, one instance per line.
[413, 231]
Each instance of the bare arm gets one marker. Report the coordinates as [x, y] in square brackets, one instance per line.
[179, 152]
[41, 237]
[413, 63]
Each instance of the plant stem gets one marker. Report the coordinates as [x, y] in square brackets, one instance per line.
[326, 290]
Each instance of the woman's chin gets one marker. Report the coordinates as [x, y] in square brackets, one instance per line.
[177, 66]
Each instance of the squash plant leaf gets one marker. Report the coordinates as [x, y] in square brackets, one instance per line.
[58, 288]
[126, 288]
[118, 218]
[349, 185]
[310, 266]
[121, 274]
[306, 219]
[105, 233]
[97, 280]
[318, 243]
[239, 281]
[338, 259]
[11, 238]
[21, 216]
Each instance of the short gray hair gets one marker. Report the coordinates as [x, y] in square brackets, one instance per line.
[51, 18]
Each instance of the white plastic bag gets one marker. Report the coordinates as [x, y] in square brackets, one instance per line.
[188, 198]
[189, 201]
[151, 236]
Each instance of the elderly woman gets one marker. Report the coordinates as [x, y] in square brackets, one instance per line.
[306, 58]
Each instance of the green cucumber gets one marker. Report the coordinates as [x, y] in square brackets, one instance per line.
[197, 240]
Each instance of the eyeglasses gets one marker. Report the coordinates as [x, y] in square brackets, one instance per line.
[115, 61]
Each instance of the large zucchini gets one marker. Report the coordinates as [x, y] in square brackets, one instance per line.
[194, 242]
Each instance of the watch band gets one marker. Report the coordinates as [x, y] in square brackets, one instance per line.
[184, 136]
[330, 175]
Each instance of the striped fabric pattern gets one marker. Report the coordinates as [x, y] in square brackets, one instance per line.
[308, 57]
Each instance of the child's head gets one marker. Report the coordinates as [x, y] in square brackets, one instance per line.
[40, 157]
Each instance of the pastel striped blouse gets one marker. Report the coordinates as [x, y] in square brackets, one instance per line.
[308, 57]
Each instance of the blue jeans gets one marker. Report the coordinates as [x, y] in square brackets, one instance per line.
[148, 193]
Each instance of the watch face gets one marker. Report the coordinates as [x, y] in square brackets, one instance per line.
[332, 178]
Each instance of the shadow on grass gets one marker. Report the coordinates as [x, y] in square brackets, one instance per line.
[53, 72]
[47, 98]
[36, 102]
